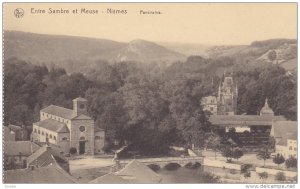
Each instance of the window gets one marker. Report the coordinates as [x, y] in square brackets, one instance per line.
[295, 149]
[34, 130]
[54, 137]
[81, 106]
[82, 138]
[211, 109]
[39, 132]
[50, 136]
[97, 137]
[42, 133]
[291, 148]
[81, 128]
[64, 138]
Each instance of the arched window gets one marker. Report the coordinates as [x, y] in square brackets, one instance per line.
[81, 128]
[50, 136]
[42, 133]
[54, 137]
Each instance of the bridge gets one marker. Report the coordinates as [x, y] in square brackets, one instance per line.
[163, 161]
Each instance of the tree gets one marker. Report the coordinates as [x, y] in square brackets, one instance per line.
[227, 152]
[263, 153]
[278, 159]
[247, 174]
[263, 176]
[280, 176]
[291, 162]
[213, 141]
[272, 55]
[237, 153]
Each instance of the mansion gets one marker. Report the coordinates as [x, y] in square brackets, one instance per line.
[225, 103]
[69, 128]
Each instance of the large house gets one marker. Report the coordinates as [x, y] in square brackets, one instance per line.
[285, 135]
[69, 128]
[225, 102]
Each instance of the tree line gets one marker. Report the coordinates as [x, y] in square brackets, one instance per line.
[147, 107]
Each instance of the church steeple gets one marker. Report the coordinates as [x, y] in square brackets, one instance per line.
[266, 110]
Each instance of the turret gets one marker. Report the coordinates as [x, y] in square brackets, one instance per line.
[80, 106]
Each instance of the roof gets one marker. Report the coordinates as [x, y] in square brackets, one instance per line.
[13, 148]
[14, 127]
[44, 157]
[136, 172]
[9, 135]
[109, 179]
[80, 99]
[284, 130]
[244, 119]
[59, 111]
[53, 125]
[52, 174]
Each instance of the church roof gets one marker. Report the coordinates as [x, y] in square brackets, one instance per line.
[59, 111]
[138, 173]
[50, 174]
[243, 119]
[53, 125]
[109, 179]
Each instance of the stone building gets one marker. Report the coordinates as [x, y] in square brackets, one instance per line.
[210, 104]
[69, 128]
[227, 96]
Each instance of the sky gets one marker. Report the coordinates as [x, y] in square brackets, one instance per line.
[203, 23]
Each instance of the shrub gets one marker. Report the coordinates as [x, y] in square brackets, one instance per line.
[210, 178]
[73, 151]
[291, 162]
[247, 174]
[278, 159]
[263, 175]
[280, 176]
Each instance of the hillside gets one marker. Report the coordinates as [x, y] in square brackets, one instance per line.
[73, 53]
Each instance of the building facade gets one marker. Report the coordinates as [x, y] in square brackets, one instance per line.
[69, 128]
[227, 96]
[210, 104]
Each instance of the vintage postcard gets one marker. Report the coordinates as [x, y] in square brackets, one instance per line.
[150, 93]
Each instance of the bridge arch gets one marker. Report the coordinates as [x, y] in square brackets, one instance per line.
[172, 166]
[154, 167]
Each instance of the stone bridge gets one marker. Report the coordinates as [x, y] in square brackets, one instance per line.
[163, 161]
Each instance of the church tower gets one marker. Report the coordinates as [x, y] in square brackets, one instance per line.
[227, 95]
[80, 106]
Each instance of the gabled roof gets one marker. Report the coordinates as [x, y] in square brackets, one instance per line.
[284, 130]
[136, 172]
[109, 179]
[59, 111]
[52, 174]
[244, 119]
[14, 148]
[44, 157]
[82, 116]
[53, 125]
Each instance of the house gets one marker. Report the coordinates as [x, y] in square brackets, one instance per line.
[285, 135]
[46, 156]
[52, 174]
[9, 135]
[22, 133]
[136, 172]
[69, 128]
[210, 104]
[17, 152]
[110, 178]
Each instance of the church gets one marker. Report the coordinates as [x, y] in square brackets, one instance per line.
[69, 129]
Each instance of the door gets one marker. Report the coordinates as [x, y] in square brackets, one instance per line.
[81, 147]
